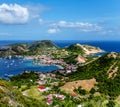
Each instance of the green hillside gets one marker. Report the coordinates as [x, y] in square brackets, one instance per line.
[21, 90]
[106, 72]
[10, 96]
[75, 49]
[27, 49]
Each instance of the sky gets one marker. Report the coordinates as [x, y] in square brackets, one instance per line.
[60, 20]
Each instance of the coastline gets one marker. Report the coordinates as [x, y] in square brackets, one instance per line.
[59, 66]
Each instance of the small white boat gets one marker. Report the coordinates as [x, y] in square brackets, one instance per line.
[8, 75]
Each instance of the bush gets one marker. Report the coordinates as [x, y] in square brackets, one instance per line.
[111, 104]
[81, 91]
[92, 91]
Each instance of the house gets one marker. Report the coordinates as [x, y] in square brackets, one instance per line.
[43, 88]
[43, 76]
[56, 84]
[49, 102]
[73, 95]
[68, 71]
[59, 96]
[79, 105]
[41, 82]
[62, 97]
[50, 96]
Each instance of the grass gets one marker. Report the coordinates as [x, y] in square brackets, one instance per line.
[33, 92]
[96, 104]
[23, 87]
[117, 102]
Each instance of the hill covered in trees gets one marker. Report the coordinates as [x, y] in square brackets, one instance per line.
[105, 70]
[27, 48]
[43, 47]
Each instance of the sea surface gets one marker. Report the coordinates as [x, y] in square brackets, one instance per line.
[14, 66]
[108, 46]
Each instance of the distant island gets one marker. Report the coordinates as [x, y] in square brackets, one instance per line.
[46, 47]
[84, 80]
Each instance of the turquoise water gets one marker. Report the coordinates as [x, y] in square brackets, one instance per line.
[15, 66]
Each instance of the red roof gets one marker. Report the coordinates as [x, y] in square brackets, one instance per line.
[49, 101]
[73, 95]
[41, 87]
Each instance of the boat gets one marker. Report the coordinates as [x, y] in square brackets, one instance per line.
[8, 75]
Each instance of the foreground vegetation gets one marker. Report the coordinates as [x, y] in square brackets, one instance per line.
[101, 70]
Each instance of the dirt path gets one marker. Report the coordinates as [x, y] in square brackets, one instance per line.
[110, 69]
[113, 73]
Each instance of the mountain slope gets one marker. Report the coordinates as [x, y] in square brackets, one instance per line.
[105, 70]
[83, 49]
[42, 45]
[10, 96]
[75, 48]
[80, 53]
[26, 49]
[92, 69]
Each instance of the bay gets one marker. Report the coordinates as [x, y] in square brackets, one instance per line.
[15, 66]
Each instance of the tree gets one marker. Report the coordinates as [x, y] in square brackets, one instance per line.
[92, 91]
[111, 104]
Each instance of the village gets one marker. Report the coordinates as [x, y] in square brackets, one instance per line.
[48, 60]
[47, 88]
[48, 83]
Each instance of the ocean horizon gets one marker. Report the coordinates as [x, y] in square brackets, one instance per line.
[108, 46]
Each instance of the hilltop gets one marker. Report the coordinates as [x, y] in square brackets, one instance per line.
[73, 54]
[81, 53]
[84, 49]
[27, 49]
[102, 65]
[36, 47]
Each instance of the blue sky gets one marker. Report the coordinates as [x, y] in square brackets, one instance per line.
[60, 19]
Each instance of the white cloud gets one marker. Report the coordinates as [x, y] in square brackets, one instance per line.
[85, 27]
[75, 25]
[80, 26]
[53, 30]
[13, 14]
